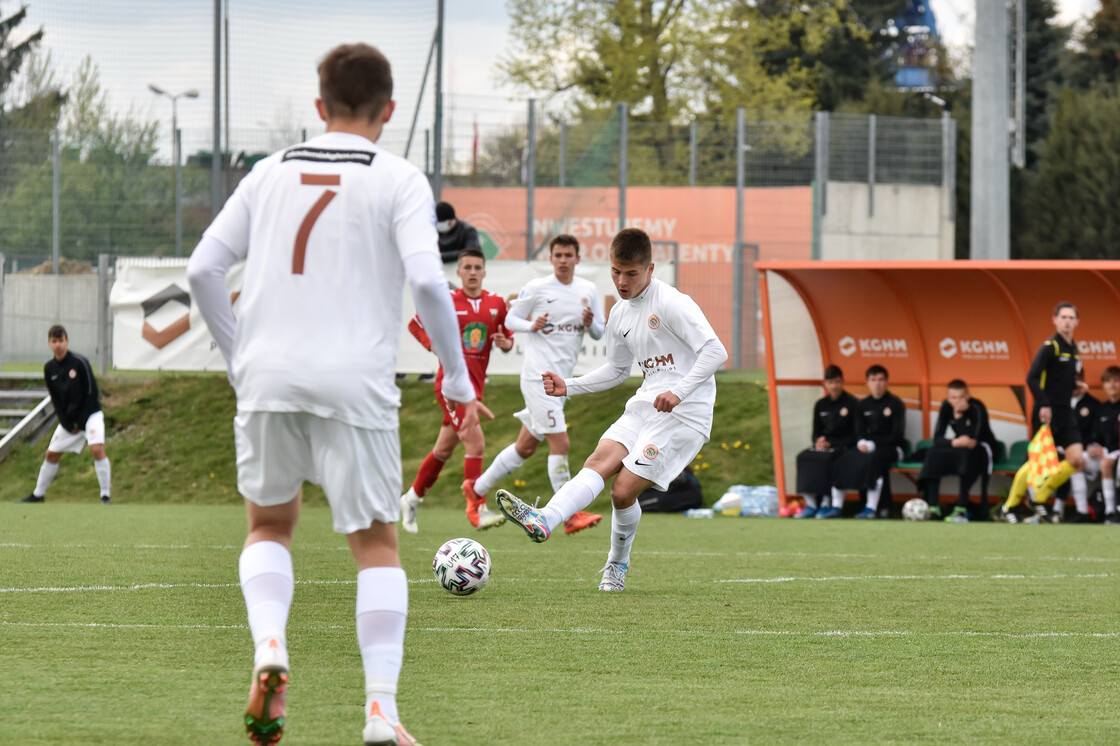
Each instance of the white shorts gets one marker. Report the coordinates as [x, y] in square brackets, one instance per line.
[543, 414]
[64, 441]
[359, 469]
[659, 444]
[1092, 467]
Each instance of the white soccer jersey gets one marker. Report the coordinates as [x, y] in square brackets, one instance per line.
[556, 346]
[324, 228]
[662, 330]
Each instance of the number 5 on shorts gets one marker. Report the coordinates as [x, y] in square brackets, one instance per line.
[300, 249]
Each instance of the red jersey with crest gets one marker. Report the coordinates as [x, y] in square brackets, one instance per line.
[479, 318]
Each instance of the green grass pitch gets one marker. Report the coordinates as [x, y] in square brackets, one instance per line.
[125, 625]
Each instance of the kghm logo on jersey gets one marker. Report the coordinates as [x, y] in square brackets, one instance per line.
[650, 451]
[654, 322]
[474, 337]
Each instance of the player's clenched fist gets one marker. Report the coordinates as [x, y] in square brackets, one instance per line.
[666, 401]
[553, 384]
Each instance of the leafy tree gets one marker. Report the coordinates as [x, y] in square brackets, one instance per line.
[1099, 63]
[1046, 42]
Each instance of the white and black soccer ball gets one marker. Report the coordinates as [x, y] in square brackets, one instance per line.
[462, 566]
[915, 509]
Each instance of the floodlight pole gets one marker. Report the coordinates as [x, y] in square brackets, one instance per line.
[177, 157]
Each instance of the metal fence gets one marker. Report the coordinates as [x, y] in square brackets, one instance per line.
[722, 193]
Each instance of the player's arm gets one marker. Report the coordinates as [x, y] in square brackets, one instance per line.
[58, 401]
[943, 416]
[1034, 376]
[417, 330]
[207, 268]
[596, 324]
[898, 424]
[606, 376]
[518, 316]
[709, 358]
[437, 314]
[503, 335]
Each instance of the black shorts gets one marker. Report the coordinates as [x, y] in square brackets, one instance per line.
[814, 471]
[1063, 423]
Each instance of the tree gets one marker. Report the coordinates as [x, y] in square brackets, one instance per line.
[1046, 42]
[1099, 64]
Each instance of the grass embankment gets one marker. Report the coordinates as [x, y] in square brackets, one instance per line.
[170, 440]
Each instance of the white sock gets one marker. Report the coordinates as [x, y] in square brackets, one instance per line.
[267, 582]
[46, 475]
[837, 498]
[504, 464]
[1079, 486]
[811, 501]
[558, 471]
[873, 494]
[104, 475]
[577, 494]
[381, 614]
[624, 524]
[1059, 505]
[1109, 489]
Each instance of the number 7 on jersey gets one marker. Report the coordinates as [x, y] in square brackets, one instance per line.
[300, 249]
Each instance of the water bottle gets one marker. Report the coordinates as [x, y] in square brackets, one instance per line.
[699, 513]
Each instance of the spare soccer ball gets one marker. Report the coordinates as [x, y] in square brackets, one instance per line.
[915, 509]
[462, 566]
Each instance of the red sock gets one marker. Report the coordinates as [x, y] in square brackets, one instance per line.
[472, 467]
[428, 474]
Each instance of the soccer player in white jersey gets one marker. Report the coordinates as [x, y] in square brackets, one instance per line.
[667, 420]
[554, 311]
[329, 231]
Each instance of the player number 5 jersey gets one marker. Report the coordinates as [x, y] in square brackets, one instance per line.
[556, 346]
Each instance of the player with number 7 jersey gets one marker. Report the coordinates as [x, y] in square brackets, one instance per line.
[330, 231]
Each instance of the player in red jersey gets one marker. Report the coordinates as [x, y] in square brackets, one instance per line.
[482, 317]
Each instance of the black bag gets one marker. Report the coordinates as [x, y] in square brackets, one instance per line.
[683, 493]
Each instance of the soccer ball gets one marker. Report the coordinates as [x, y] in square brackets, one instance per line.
[462, 566]
[915, 509]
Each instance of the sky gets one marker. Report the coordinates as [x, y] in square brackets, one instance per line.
[275, 45]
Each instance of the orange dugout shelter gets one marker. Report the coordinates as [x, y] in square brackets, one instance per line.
[926, 323]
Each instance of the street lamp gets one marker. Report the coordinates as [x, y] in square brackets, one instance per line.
[176, 143]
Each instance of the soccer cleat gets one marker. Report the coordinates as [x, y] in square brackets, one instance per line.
[1006, 516]
[489, 518]
[830, 513]
[866, 514]
[1081, 518]
[32, 498]
[1040, 512]
[265, 713]
[959, 515]
[474, 501]
[524, 515]
[581, 520]
[789, 510]
[106, 500]
[378, 731]
[409, 503]
[935, 512]
[614, 576]
[1111, 519]
[808, 512]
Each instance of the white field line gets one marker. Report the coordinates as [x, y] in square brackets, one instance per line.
[955, 576]
[593, 630]
[147, 586]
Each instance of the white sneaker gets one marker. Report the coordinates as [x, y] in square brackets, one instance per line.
[380, 732]
[614, 576]
[489, 518]
[409, 503]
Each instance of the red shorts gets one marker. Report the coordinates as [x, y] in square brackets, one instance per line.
[449, 417]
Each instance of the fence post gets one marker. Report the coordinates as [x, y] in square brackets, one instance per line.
[737, 259]
[871, 134]
[56, 198]
[949, 161]
[530, 178]
[692, 153]
[3, 276]
[623, 150]
[563, 156]
[104, 317]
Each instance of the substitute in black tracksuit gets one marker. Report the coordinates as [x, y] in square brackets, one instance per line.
[880, 433]
[963, 444]
[73, 390]
[834, 431]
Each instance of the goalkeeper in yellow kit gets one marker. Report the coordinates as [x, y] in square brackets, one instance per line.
[1054, 379]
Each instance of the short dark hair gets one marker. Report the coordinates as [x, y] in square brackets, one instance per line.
[355, 82]
[632, 246]
[472, 252]
[563, 239]
[958, 385]
[1066, 304]
[1110, 373]
[876, 370]
[833, 371]
[58, 331]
